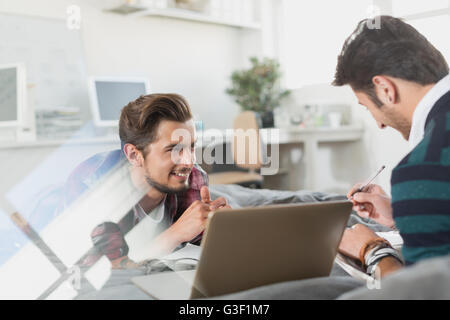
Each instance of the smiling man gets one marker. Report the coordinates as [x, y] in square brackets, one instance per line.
[404, 81]
[158, 136]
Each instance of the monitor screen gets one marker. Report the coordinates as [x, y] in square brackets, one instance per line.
[8, 95]
[110, 96]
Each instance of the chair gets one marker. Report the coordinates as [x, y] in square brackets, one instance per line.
[247, 154]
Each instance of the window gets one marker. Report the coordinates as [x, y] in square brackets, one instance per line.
[432, 28]
[312, 36]
[430, 18]
[404, 8]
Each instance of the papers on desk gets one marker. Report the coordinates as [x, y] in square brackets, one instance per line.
[189, 251]
[393, 237]
[351, 267]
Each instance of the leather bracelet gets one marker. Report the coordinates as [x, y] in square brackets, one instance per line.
[375, 241]
[375, 258]
[382, 253]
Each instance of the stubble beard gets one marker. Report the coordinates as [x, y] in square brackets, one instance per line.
[165, 189]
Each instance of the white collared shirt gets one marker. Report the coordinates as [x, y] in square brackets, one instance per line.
[423, 109]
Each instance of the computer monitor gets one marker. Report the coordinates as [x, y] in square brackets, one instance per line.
[109, 95]
[12, 94]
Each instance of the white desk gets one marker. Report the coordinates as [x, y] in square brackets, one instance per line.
[309, 137]
[56, 143]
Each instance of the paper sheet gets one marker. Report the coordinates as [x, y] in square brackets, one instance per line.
[189, 251]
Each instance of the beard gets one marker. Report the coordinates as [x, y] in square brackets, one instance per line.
[399, 123]
[165, 189]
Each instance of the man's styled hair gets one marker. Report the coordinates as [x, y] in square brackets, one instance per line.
[395, 49]
[139, 119]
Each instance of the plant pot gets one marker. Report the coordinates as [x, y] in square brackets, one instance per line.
[267, 120]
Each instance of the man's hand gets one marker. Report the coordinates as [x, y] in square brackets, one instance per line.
[192, 222]
[354, 238]
[219, 203]
[123, 263]
[372, 203]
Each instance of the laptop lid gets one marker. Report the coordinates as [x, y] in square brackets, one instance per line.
[251, 247]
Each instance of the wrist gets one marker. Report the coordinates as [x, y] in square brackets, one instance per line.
[122, 263]
[376, 260]
[172, 237]
[370, 246]
[387, 265]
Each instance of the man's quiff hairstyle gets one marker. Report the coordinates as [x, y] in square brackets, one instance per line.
[395, 49]
[139, 120]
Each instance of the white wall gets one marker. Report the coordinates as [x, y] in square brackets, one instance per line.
[196, 60]
[342, 164]
[190, 58]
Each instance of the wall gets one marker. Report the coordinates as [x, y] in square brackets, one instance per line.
[344, 164]
[190, 58]
[196, 59]
[193, 59]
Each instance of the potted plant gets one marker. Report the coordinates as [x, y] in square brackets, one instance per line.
[257, 88]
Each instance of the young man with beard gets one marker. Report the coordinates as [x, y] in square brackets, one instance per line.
[404, 82]
[177, 199]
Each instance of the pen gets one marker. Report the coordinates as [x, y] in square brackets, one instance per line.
[360, 189]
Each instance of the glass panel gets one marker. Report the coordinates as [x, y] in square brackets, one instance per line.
[432, 28]
[407, 7]
[27, 274]
[313, 36]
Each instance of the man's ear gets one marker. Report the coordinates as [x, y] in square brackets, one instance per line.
[133, 155]
[385, 89]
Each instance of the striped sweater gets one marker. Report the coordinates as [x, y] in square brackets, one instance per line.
[421, 190]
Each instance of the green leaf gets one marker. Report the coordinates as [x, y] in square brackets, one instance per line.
[257, 88]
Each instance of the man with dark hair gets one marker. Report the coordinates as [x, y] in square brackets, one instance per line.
[175, 202]
[404, 81]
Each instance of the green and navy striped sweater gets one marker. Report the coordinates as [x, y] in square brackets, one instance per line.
[421, 190]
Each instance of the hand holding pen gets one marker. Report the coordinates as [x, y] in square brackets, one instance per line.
[370, 201]
[366, 184]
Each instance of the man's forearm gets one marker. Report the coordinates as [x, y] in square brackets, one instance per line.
[164, 244]
[388, 265]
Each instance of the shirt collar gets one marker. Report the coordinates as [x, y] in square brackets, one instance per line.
[423, 109]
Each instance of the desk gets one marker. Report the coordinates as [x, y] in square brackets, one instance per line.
[309, 137]
[57, 143]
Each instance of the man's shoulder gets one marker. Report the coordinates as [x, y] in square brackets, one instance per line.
[427, 166]
[434, 149]
[90, 171]
[430, 159]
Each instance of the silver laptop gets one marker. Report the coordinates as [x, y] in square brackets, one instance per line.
[251, 247]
